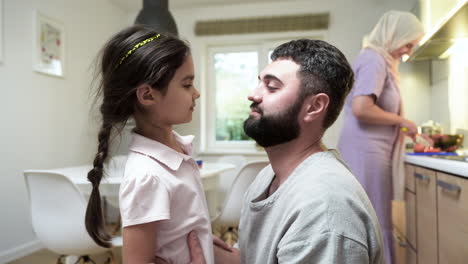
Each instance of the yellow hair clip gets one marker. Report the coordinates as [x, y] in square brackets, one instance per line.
[137, 46]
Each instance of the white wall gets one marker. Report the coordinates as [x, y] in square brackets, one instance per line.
[439, 93]
[45, 120]
[349, 22]
[416, 90]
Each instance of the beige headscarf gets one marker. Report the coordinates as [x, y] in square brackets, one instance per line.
[394, 30]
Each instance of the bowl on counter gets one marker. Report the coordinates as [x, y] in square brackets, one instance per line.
[447, 142]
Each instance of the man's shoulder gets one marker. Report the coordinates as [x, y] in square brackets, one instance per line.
[328, 188]
[326, 170]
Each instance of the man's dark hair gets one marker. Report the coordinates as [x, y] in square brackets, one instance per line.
[323, 69]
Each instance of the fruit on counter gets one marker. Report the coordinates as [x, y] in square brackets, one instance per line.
[421, 148]
[451, 149]
[447, 142]
[432, 149]
[418, 147]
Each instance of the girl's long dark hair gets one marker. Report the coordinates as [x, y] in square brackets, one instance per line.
[154, 63]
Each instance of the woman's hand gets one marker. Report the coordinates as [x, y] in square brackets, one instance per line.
[409, 128]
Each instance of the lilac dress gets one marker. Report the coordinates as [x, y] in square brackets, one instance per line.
[367, 148]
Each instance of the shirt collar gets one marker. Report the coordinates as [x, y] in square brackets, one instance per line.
[161, 152]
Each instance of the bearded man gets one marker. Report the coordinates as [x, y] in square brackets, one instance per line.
[306, 206]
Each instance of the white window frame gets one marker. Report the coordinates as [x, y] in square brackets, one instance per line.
[213, 44]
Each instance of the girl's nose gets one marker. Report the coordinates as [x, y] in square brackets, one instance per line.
[196, 94]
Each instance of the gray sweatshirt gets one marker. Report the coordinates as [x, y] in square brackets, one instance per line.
[320, 214]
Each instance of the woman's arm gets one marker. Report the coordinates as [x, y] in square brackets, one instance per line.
[139, 243]
[365, 110]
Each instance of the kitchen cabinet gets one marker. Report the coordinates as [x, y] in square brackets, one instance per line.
[452, 201]
[410, 218]
[409, 179]
[404, 253]
[435, 225]
[426, 215]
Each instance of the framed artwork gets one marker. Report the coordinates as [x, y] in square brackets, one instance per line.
[1, 31]
[49, 45]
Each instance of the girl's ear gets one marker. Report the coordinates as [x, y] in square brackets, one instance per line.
[316, 106]
[146, 95]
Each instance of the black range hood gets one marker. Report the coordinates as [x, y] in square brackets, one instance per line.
[155, 14]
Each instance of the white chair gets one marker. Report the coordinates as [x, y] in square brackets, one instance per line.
[226, 178]
[115, 167]
[58, 211]
[229, 215]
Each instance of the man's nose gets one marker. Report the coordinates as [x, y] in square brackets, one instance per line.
[256, 95]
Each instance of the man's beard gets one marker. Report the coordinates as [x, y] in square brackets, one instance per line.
[276, 129]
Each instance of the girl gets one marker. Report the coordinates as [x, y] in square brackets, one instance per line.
[149, 76]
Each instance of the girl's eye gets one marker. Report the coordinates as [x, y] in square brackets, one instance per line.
[188, 86]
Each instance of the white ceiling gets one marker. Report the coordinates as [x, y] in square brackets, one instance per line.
[135, 5]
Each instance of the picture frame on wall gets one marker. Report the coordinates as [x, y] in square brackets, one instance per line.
[49, 45]
[1, 31]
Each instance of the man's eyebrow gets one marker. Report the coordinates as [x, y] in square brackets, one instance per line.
[188, 77]
[270, 77]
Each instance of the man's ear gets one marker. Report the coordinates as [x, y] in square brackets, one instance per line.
[316, 106]
[146, 95]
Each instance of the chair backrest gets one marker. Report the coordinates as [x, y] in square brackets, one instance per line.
[230, 213]
[58, 212]
[115, 166]
[226, 178]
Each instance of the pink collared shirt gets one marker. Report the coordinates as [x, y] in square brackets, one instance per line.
[161, 184]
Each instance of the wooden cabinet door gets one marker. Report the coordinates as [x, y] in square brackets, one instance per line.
[411, 257]
[410, 231]
[426, 216]
[452, 202]
[409, 177]
[404, 253]
[401, 247]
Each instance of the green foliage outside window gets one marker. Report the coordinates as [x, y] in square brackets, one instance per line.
[236, 76]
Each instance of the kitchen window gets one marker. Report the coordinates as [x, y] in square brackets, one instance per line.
[231, 73]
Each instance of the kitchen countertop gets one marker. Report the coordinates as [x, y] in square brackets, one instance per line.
[450, 166]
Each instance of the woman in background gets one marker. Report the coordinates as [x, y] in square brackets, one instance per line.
[372, 137]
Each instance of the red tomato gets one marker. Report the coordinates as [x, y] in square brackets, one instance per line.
[431, 149]
[418, 147]
[451, 149]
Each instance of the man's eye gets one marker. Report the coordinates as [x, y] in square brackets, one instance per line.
[188, 86]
